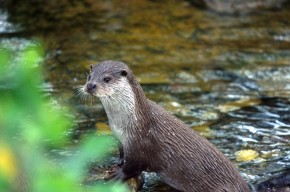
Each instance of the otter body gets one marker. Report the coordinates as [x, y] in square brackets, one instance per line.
[154, 140]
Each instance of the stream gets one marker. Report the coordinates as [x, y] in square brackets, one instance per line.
[225, 75]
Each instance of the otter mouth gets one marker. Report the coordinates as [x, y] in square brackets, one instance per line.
[92, 90]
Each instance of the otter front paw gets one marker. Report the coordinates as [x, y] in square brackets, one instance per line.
[115, 173]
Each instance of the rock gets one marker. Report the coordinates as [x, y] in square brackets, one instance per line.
[239, 6]
[246, 155]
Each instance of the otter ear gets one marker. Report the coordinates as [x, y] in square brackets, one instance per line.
[91, 67]
[124, 73]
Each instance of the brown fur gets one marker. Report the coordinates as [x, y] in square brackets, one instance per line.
[158, 141]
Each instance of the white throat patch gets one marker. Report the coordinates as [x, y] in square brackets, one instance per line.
[120, 108]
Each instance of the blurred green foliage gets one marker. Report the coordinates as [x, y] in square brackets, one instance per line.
[30, 126]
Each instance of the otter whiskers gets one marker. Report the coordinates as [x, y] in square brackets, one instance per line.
[81, 94]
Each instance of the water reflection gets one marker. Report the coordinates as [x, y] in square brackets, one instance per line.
[264, 128]
[5, 26]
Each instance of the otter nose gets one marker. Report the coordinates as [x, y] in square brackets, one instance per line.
[91, 86]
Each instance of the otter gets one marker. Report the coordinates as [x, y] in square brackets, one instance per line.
[154, 140]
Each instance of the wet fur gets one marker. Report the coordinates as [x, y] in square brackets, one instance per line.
[155, 140]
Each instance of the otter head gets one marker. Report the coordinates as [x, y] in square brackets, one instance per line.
[107, 79]
[111, 82]
[121, 95]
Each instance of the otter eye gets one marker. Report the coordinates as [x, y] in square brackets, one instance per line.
[107, 79]
[88, 77]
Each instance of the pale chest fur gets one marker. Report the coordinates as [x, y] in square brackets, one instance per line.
[120, 109]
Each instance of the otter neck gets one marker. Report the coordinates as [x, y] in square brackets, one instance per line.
[126, 111]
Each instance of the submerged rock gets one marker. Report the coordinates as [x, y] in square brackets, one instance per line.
[246, 155]
[239, 6]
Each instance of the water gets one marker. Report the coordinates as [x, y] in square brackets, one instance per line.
[226, 76]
